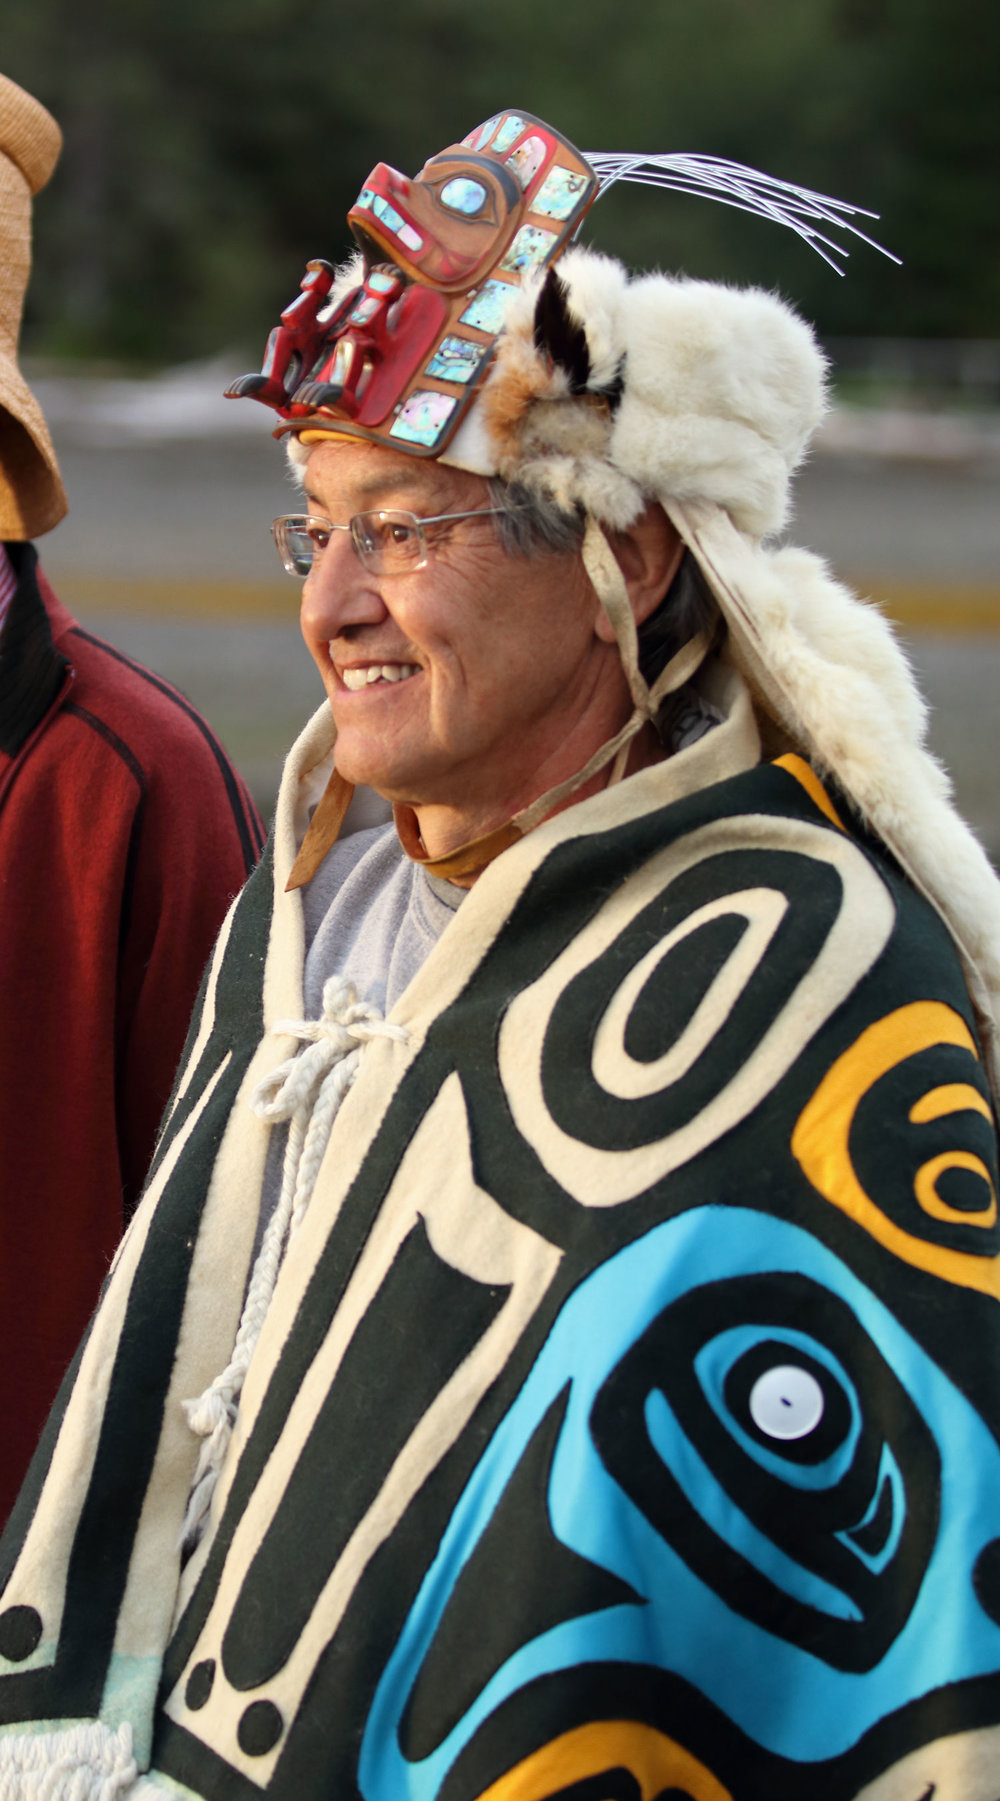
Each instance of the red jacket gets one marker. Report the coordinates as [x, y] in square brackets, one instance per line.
[124, 833]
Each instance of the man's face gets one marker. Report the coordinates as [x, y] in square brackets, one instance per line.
[491, 674]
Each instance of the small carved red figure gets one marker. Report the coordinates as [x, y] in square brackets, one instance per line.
[402, 354]
[341, 379]
[292, 346]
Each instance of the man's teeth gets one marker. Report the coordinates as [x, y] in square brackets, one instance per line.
[378, 672]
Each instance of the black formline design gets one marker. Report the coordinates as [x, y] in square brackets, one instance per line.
[749, 1166]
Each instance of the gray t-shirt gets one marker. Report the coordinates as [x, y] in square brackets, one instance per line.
[370, 915]
[373, 916]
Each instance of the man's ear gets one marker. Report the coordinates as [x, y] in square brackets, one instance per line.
[648, 554]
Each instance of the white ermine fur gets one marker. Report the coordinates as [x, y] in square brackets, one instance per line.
[705, 397]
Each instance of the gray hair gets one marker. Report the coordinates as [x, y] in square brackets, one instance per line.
[529, 523]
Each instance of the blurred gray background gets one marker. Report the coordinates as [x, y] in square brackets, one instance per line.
[211, 150]
[167, 551]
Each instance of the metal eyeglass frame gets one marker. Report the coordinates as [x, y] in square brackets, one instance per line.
[378, 559]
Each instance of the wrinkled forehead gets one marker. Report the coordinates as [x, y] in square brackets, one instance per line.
[346, 475]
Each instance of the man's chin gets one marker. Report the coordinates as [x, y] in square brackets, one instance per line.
[398, 785]
[404, 775]
[364, 759]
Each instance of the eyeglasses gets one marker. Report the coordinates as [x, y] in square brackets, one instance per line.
[388, 543]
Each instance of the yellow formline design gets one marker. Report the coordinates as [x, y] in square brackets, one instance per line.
[821, 1141]
[656, 1761]
[807, 778]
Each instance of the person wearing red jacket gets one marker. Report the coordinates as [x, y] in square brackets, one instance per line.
[125, 832]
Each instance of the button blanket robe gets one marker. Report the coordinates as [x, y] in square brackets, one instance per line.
[625, 1421]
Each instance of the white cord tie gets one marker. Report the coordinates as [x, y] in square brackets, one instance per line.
[306, 1090]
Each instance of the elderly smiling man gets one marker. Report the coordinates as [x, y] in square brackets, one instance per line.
[558, 1351]
[453, 686]
[462, 685]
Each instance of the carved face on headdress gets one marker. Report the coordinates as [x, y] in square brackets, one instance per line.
[400, 357]
[445, 227]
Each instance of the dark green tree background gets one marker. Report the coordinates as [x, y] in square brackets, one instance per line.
[213, 145]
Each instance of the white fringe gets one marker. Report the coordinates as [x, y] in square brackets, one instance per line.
[89, 1762]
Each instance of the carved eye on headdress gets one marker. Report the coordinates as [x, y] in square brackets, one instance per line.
[463, 196]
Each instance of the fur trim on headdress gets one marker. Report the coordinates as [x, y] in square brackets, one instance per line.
[350, 275]
[827, 667]
[605, 391]
[724, 390]
[606, 394]
[547, 407]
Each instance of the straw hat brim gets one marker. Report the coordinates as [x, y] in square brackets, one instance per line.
[32, 496]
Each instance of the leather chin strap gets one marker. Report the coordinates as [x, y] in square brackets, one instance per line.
[322, 832]
[469, 860]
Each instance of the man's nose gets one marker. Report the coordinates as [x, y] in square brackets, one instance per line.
[339, 592]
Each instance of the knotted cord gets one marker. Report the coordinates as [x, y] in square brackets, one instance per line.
[306, 1090]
